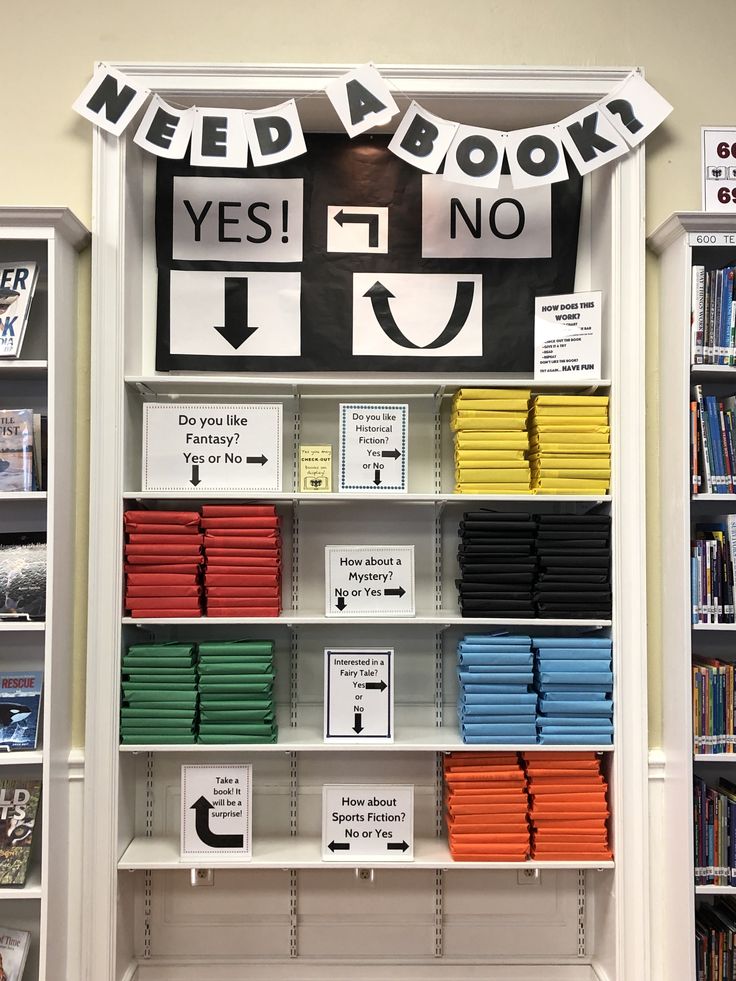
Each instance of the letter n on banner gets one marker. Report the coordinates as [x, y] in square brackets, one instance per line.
[110, 100]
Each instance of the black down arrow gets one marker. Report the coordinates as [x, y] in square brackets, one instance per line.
[236, 330]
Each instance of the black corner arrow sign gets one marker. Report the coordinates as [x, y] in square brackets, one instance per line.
[202, 808]
[376, 686]
[397, 846]
[358, 727]
[195, 475]
[343, 218]
[395, 592]
[340, 604]
[235, 329]
[339, 846]
[257, 459]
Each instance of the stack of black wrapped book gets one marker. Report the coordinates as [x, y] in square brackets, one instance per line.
[497, 564]
[574, 571]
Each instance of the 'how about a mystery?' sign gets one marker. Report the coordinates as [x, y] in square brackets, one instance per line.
[212, 447]
[373, 447]
[359, 695]
[369, 581]
[364, 821]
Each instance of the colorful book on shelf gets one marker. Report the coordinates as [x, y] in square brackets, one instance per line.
[20, 708]
[19, 801]
[14, 947]
[17, 286]
[16, 450]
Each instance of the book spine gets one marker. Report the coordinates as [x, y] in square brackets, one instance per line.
[708, 325]
[714, 443]
[696, 314]
[694, 448]
[707, 462]
[727, 463]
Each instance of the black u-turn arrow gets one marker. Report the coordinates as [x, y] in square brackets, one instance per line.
[379, 296]
[206, 835]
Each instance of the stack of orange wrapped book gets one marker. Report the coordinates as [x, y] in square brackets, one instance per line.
[163, 557]
[569, 810]
[486, 807]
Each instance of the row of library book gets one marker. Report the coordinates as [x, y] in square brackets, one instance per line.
[715, 939]
[714, 700]
[712, 570]
[712, 443]
[714, 803]
[713, 316]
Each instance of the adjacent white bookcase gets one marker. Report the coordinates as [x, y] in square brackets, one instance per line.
[43, 378]
[287, 914]
[684, 240]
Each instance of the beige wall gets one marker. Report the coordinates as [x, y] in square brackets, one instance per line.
[49, 47]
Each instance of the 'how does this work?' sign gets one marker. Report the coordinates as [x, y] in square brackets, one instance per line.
[373, 447]
[212, 447]
[374, 822]
[567, 336]
[216, 812]
[369, 581]
[359, 695]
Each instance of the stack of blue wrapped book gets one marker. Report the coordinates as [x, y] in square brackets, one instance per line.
[574, 679]
[496, 701]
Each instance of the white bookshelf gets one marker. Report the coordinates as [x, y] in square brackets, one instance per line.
[288, 914]
[678, 243]
[44, 378]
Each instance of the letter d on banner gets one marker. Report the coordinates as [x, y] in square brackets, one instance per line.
[110, 100]
[423, 139]
[275, 134]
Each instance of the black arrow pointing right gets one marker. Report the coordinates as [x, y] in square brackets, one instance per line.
[195, 475]
[397, 846]
[394, 592]
[376, 685]
[340, 604]
[257, 459]
[339, 846]
[236, 330]
[358, 727]
[202, 808]
[392, 453]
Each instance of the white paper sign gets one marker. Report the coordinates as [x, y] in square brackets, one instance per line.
[591, 139]
[567, 336]
[373, 447]
[212, 447]
[164, 130]
[359, 695]
[427, 314]
[460, 222]
[369, 581]
[275, 134]
[367, 821]
[110, 100]
[218, 138]
[361, 99]
[423, 139]
[719, 168]
[535, 156]
[475, 156]
[237, 219]
[257, 314]
[635, 108]
[216, 812]
[357, 229]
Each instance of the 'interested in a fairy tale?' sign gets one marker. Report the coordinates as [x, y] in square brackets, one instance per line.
[229, 446]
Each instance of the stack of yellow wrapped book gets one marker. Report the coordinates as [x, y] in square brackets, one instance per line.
[570, 444]
[491, 441]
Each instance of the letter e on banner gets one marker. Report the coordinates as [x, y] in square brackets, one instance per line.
[361, 99]
[218, 138]
[536, 156]
[635, 108]
[423, 139]
[590, 139]
[275, 134]
[110, 100]
[165, 131]
[475, 157]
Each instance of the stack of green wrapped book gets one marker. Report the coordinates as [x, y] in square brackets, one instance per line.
[159, 701]
[236, 692]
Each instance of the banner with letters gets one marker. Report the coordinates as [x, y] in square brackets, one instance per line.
[587, 139]
[348, 258]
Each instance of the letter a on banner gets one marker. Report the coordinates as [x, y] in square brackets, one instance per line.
[475, 157]
[590, 139]
[361, 99]
[536, 156]
[275, 134]
[110, 100]
[635, 108]
[423, 139]
[218, 138]
[165, 131]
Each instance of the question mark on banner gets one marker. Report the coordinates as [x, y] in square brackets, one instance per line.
[625, 111]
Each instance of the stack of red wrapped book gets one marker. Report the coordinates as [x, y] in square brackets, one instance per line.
[242, 547]
[486, 806]
[569, 811]
[163, 557]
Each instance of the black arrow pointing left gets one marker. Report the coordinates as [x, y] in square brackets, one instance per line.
[202, 808]
[371, 221]
[235, 329]
[339, 846]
